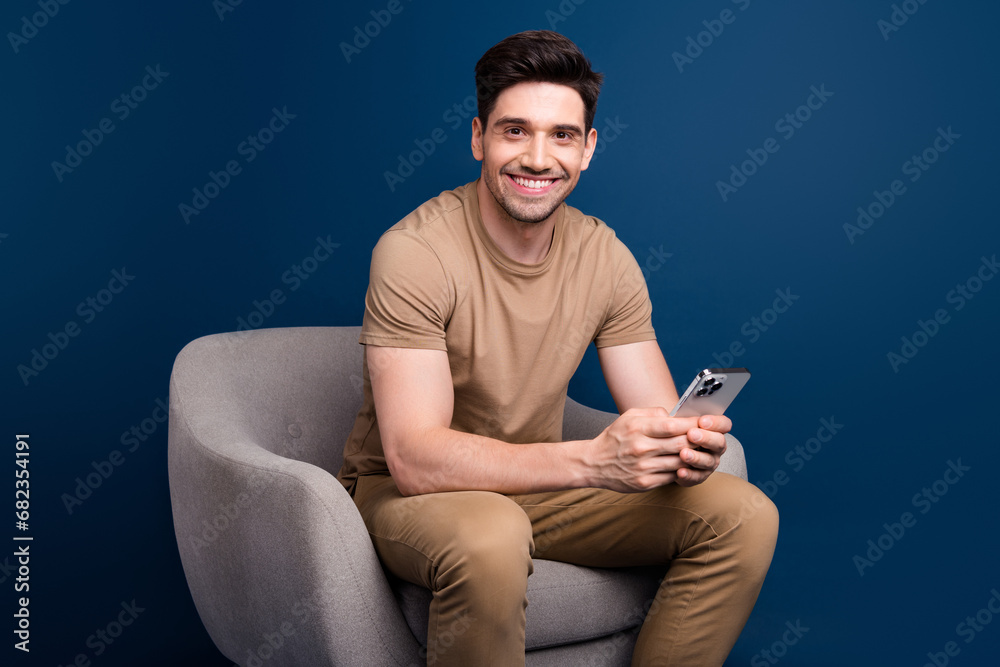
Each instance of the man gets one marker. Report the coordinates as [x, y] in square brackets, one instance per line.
[480, 306]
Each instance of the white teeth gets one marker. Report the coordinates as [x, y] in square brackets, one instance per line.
[534, 185]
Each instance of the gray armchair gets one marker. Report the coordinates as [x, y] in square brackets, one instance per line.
[276, 556]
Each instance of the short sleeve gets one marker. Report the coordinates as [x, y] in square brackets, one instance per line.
[409, 300]
[630, 313]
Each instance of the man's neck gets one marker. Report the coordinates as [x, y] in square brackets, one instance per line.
[525, 242]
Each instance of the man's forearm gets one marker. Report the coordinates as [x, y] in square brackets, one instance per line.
[442, 459]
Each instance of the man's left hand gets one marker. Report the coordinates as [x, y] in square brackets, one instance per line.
[708, 444]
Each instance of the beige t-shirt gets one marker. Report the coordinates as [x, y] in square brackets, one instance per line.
[514, 333]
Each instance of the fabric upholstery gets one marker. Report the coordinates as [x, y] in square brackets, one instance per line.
[278, 561]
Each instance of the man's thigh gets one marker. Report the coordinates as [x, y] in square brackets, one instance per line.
[601, 528]
[418, 536]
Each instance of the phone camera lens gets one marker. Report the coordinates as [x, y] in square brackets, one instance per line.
[702, 391]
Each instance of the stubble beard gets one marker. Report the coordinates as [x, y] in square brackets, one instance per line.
[512, 209]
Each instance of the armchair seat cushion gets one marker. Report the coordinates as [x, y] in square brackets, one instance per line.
[601, 602]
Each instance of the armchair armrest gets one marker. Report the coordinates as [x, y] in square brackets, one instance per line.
[278, 560]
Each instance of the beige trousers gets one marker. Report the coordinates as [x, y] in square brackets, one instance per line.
[473, 550]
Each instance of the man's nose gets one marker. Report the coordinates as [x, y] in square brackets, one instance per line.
[536, 155]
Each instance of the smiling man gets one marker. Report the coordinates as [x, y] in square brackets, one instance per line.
[480, 306]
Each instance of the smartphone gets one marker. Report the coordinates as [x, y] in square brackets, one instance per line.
[711, 392]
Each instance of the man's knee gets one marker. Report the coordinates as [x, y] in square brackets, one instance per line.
[751, 511]
[487, 561]
[724, 503]
[492, 534]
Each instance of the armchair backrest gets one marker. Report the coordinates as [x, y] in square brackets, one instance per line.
[293, 391]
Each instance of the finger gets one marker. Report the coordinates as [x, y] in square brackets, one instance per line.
[717, 423]
[711, 441]
[662, 449]
[689, 477]
[653, 480]
[660, 463]
[658, 426]
[695, 459]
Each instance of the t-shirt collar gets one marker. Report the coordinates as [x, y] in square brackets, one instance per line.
[473, 214]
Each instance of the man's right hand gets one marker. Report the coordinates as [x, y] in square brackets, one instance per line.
[645, 448]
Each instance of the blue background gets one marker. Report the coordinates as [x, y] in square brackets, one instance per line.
[671, 134]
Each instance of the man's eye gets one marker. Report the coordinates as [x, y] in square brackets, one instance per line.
[514, 130]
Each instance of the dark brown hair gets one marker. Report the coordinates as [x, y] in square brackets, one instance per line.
[536, 55]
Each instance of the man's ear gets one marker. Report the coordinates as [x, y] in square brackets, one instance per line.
[477, 139]
[588, 148]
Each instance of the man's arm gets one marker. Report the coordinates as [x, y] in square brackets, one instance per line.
[414, 401]
[638, 377]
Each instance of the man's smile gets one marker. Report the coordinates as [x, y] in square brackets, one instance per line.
[532, 185]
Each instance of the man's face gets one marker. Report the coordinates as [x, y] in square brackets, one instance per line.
[533, 149]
